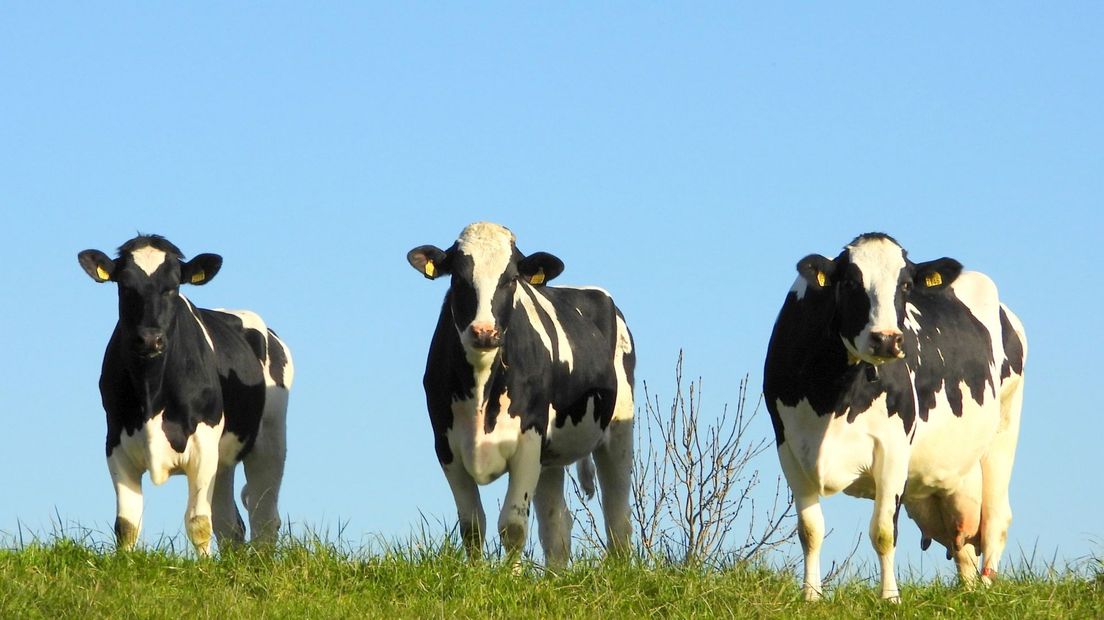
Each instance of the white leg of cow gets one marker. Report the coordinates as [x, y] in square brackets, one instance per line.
[890, 473]
[201, 470]
[264, 470]
[996, 473]
[613, 460]
[525, 471]
[553, 517]
[810, 522]
[810, 531]
[226, 520]
[127, 480]
[469, 510]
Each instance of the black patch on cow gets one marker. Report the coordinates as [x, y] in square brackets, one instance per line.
[258, 342]
[241, 375]
[1013, 348]
[950, 348]
[277, 359]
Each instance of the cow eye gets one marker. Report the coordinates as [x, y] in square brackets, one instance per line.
[906, 286]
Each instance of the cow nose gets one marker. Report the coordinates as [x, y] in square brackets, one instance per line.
[485, 335]
[887, 344]
[150, 342]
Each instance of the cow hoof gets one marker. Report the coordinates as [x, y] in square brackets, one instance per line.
[126, 534]
[513, 537]
[199, 532]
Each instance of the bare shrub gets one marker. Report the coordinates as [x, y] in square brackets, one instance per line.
[695, 484]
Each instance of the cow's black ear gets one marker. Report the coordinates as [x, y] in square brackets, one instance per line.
[540, 267]
[201, 269]
[97, 265]
[429, 260]
[817, 271]
[936, 275]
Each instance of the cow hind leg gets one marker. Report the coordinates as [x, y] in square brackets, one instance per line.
[613, 460]
[264, 470]
[996, 474]
[127, 481]
[226, 520]
[553, 517]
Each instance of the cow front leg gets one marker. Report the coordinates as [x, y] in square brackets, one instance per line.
[469, 510]
[201, 469]
[127, 480]
[525, 471]
[890, 469]
[553, 517]
[810, 522]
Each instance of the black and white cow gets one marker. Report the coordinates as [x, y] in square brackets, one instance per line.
[527, 379]
[901, 382]
[190, 391]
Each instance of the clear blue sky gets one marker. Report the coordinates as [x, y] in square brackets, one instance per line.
[683, 157]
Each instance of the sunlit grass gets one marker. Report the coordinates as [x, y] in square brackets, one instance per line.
[76, 574]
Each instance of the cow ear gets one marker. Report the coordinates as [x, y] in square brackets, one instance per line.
[97, 265]
[429, 260]
[201, 269]
[936, 275]
[817, 271]
[540, 267]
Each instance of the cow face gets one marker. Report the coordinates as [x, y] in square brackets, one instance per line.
[485, 266]
[148, 272]
[872, 280]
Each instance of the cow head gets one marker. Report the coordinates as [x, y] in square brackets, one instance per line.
[485, 266]
[871, 281]
[148, 272]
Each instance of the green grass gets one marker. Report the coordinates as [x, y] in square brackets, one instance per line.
[66, 578]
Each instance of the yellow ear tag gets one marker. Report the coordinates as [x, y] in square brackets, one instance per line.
[821, 278]
[430, 270]
[538, 277]
[102, 273]
[933, 280]
[199, 276]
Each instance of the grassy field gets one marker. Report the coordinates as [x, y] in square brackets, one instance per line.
[63, 578]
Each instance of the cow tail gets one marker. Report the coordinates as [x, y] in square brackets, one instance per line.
[584, 469]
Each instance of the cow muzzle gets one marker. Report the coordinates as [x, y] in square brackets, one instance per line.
[887, 345]
[149, 343]
[484, 336]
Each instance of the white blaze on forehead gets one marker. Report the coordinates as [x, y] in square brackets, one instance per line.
[491, 247]
[148, 258]
[881, 262]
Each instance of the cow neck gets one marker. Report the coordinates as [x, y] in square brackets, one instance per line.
[147, 377]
